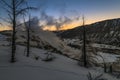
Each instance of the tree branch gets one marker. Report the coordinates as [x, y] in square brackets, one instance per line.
[4, 2]
[19, 3]
[22, 11]
[5, 20]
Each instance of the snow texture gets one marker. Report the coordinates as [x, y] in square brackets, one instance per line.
[62, 68]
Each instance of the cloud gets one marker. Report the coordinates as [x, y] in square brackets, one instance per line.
[48, 20]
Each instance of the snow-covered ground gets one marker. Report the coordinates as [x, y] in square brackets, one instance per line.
[27, 68]
[108, 58]
[61, 68]
[105, 46]
[47, 38]
[2, 37]
[79, 42]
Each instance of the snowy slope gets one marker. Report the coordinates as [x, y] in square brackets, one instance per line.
[40, 38]
[2, 37]
[104, 32]
[108, 58]
[61, 68]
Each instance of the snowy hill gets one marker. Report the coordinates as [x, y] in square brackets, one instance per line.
[48, 40]
[62, 68]
[44, 40]
[36, 68]
[105, 32]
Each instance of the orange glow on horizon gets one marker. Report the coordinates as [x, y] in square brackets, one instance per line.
[50, 28]
[3, 28]
[63, 27]
[68, 26]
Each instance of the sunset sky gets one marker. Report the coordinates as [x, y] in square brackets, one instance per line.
[93, 10]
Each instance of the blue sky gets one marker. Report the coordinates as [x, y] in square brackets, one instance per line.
[94, 10]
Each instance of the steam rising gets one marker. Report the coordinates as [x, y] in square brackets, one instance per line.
[48, 20]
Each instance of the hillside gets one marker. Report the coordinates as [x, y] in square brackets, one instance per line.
[40, 39]
[105, 32]
[65, 60]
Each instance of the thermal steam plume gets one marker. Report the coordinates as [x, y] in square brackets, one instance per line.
[48, 20]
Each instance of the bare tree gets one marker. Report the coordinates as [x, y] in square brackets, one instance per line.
[84, 43]
[28, 34]
[28, 38]
[87, 59]
[14, 10]
[28, 25]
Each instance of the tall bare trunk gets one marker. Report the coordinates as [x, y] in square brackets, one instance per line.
[84, 44]
[14, 32]
[28, 38]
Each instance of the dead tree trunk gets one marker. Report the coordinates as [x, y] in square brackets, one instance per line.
[28, 38]
[84, 44]
[14, 9]
[14, 32]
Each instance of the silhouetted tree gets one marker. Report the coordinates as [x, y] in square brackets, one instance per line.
[84, 43]
[28, 38]
[14, 9]
[27, 25]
